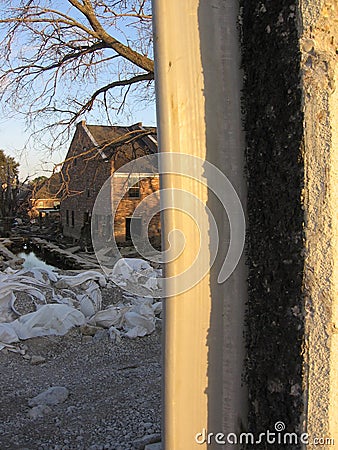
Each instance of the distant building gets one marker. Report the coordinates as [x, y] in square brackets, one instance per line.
[45, 200]
[97, 152]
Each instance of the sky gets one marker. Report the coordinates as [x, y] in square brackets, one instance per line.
[34, 162]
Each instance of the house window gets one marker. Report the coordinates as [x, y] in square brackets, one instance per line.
[86, 217]
[67, 217]
[73, 219]
[133, 224]
[133, 187]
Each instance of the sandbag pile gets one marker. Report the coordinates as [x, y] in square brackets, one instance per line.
[60, 302]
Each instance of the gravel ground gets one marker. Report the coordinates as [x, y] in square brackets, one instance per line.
[114, 393]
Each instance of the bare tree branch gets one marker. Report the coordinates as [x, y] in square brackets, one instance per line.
[56, 55]
[126, 52]
[87, 106]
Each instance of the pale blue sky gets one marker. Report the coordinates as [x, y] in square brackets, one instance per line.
[35, 162]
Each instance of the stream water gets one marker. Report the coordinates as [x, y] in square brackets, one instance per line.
[32, 261]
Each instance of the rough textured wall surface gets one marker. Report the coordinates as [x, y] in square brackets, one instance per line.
[319, 64]
[290, 101]
[272, 103]
[83, 178]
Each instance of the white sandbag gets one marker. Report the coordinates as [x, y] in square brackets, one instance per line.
[151, 284]
[33, 273]
[48, 320]
[138, 331]
[12, 286]
[7, 307]
[77, 280]
[64, 300]
[143, 305]
[107, 318]
[25, 279]
[94, 293]
[157, 308]
[130, 268]
[7, 334]
[137, 325]
[144, 309]
[121, 271]
[12, 348]
[136, 264]
[38, 273]
[135, 270]
[68, 293]
[86, 305]
[50, 274]
[114, 335]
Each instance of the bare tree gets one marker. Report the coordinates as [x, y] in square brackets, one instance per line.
[9, 186]
[62, 59]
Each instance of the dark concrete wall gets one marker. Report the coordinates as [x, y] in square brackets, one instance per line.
[274, 129]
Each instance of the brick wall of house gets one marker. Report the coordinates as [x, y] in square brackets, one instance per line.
[148, 214]
[84, 173]
[83, 178]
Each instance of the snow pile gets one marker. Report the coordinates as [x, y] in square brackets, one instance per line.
[39, 302]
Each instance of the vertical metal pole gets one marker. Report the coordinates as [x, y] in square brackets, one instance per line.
[198, 108]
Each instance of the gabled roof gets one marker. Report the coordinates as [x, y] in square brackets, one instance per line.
[108, 138]
[101, 134]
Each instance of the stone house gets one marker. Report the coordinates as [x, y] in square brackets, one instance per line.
[45, 200]
[97, 152]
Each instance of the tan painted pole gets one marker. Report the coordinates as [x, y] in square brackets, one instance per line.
[198, 105]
